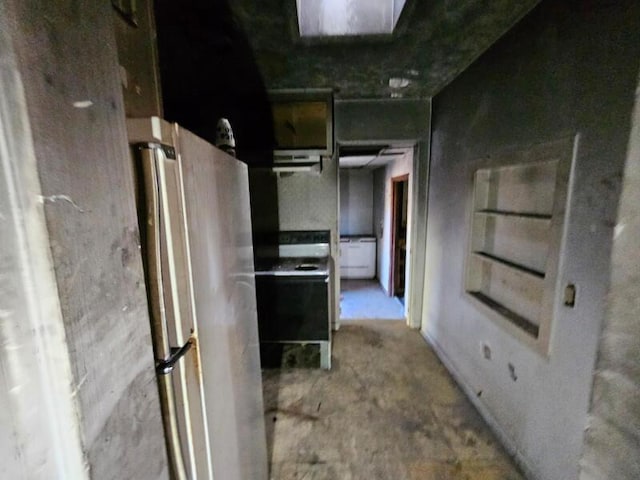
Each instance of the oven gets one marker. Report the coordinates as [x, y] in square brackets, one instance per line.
[292, 288]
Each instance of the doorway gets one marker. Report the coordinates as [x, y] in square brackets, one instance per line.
[367, 188]
[400, 209]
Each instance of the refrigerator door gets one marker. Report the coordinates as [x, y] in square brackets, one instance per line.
[219, 226]
[168, 270]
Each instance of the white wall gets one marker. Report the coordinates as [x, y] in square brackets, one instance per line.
[88, 197]
[560, 72]
[383, 216]
[356, 201]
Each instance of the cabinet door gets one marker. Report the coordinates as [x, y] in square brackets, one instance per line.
[169, 285]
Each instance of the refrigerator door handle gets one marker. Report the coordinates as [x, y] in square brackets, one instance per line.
[164, 367]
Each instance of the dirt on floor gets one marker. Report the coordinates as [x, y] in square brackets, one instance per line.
[387, 410]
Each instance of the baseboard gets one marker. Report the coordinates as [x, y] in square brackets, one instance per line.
[506, 441]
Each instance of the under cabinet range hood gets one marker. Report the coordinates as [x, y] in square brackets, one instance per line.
[297, 163]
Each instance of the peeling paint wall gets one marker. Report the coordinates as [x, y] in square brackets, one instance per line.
[612, 443]
[66, 55]
[568, 68]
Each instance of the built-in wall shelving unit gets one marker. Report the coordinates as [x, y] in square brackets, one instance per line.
[516, 233]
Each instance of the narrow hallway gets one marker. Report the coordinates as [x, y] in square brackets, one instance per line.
[376, 416]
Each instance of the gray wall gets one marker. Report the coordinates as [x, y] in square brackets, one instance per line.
[356, 202]
[568, 68]
[66, 54]
[40, 435]
[612, 445]
[396, 121]
[137, 57]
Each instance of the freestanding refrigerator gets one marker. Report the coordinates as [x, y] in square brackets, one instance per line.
[193, 202]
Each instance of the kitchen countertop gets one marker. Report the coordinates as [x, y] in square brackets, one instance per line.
[290, 266]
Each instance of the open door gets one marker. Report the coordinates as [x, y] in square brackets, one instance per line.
[399, 212]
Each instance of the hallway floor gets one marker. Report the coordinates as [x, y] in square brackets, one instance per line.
[365, 299]
[375, 416]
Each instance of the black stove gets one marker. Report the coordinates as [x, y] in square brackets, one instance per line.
[293, 274]
[293, 266]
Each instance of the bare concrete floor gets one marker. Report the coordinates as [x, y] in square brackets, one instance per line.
[387, 410]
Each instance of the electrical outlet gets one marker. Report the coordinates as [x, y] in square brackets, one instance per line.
[570, 295]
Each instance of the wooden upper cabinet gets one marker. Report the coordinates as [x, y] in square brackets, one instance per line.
[303, 122]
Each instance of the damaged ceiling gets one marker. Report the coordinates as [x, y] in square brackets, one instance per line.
[432, 43]
[218, 58]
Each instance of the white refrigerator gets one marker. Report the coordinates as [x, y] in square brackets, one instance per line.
[193, 203]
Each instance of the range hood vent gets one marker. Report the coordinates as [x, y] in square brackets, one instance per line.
[297, 163]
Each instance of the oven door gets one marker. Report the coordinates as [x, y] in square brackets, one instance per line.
[293, 308]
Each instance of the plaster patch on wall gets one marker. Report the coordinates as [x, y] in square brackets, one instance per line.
[57, 198]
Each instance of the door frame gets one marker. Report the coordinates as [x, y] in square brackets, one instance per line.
[394, 227]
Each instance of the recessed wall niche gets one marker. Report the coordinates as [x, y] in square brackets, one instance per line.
[517, 223]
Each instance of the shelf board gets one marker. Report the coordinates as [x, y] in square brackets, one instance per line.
[506, 263]
[518, 320]
[502, 213]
